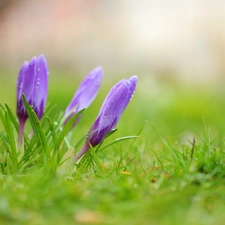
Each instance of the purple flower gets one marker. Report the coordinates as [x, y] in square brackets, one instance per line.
[33, 83]
[85, 93]
[110, 112]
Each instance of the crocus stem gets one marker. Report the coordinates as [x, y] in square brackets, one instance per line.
[82, 151]
[21, 130]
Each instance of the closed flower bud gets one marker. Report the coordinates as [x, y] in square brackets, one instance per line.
[33, 83]
[110, 112]
[85, 93]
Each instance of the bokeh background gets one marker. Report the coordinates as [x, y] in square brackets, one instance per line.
[177, 49]
[185, 39]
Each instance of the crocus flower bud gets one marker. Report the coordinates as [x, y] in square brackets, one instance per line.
[33, 83]
[110, 112]
[85, 93]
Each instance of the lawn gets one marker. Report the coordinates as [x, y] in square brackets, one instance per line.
[168, 168]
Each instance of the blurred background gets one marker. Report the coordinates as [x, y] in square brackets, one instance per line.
[183, 39]
[168, 44]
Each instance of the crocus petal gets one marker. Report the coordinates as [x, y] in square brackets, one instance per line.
[29, 79]
[20, 83]
[112, 108]
[25, 86]
[86, 92]
[40, 86]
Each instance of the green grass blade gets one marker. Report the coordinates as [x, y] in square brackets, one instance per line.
[15, 122]
[12, 140]
[2, 116]
[53, 134]
[38, 131]
[118, 140]
[12, 117]
[69, 125]
[110, 133]
[96, 165]
[80, 141]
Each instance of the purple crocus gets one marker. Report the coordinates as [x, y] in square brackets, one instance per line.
[33, 83]
[110, 112]
[85, 93]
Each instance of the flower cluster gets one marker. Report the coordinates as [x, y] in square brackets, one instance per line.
[33, 84]
[112, 108]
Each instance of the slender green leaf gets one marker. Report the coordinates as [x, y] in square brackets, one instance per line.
[12, 141]
[110, 133]
[80, 141]
[118, 140]
[94, 159]
[68, 126]
[12, 117]
[53, 134]
[2, 116]
[38, 131]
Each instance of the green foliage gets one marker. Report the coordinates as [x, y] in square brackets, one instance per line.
[169, 169]
[45, 148]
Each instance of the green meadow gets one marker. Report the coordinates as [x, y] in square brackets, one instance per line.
[165, 164]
